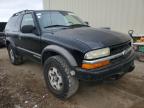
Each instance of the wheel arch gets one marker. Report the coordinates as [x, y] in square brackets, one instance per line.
[8, 41]
[52, 50]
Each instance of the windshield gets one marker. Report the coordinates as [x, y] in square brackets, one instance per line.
[58, 19]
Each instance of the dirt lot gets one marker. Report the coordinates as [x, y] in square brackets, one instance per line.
[23, 87]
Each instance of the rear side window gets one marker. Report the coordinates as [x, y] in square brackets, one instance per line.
[27, 20]
[12, 24]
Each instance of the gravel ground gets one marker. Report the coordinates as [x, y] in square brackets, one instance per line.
[23, 86]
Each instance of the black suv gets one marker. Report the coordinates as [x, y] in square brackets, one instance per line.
[69, 49]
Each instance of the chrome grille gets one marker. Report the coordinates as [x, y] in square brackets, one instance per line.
[120, 47]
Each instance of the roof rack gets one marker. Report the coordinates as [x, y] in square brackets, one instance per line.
[24, 11]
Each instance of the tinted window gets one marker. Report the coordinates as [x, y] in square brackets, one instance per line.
[27, 20]
[12, 24]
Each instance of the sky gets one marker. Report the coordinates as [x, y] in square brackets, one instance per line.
[9, 7]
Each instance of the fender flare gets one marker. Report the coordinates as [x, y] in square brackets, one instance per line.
[61, 51]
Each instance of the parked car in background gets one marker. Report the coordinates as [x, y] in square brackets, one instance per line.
[69, 49]
[2, 36]
[2, 39]
[138, 45]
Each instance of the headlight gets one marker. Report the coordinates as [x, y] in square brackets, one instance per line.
[97, 53]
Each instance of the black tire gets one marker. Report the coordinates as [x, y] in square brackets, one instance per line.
[69, 83]
[116, 77]
[140, 57]
[14, 58]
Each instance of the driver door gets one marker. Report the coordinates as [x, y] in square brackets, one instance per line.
[29, 42]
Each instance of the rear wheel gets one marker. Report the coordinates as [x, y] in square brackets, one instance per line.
[58, 78]
[14, 58]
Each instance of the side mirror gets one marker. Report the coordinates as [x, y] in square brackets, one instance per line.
[130, 32]
[27, 29]
[87, 23]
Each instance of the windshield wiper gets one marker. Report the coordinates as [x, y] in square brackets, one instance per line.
[78, 25]
[73, 25]
[56, 26]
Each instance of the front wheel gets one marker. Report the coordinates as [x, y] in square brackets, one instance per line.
[58, 78]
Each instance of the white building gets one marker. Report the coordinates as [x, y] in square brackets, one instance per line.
[119, 15]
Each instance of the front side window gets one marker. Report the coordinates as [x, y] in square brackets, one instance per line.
[27, 20]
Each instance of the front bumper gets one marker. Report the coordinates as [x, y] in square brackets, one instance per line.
[120, 65]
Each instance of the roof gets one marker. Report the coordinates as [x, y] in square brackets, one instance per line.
[28, 11]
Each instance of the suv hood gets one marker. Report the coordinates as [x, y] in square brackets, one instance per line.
[94, 38]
